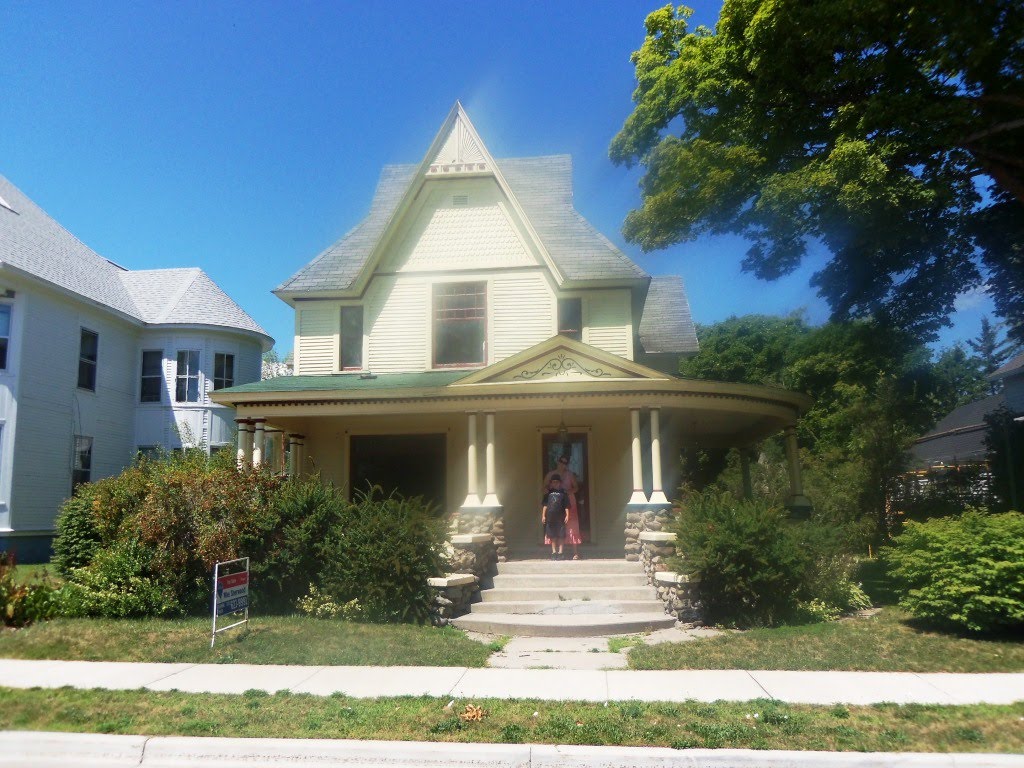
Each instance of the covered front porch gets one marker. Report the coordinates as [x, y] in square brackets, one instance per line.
[479, 444]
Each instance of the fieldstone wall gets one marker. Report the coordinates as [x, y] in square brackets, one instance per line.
[681, 596]
[641, 518]
[489, 520]
[655, 548]
[474, 553]
[452, 596]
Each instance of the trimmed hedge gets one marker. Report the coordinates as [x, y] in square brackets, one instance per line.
[962, 573]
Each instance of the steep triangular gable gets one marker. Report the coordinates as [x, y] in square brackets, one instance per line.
[456, 150]
[560, 358]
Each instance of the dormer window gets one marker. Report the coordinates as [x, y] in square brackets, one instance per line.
[460, 324]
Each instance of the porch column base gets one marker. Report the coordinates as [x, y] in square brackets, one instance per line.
[472, 501]
[658, 498]
[491, 500]
[488, 519]
[638, 497]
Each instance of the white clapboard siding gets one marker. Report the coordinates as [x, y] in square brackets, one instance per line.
[397, 313]
[461, 225]
[523, 312]
[607, 322]
[318, 333]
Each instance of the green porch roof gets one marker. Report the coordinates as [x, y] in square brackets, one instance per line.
[350, 382]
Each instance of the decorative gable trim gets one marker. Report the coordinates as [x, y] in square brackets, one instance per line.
[559, 359]
[456, 140]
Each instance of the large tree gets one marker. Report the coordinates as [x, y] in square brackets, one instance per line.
[890, 131]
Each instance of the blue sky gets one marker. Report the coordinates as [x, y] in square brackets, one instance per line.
[245, 137]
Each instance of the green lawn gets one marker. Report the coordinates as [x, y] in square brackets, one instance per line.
[886, 642]
[271, 640]
[756, 725]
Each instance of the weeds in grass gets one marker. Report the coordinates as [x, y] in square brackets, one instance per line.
[619, 644]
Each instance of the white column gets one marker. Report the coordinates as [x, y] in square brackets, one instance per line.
[657, 493]
[490, 497]
[300, 454]
[293, 465]
[748, 486]
[472, 475]
[247, 445]
[258, 439]
[638, 496]
[243, 431]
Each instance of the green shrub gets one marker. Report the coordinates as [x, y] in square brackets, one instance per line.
[749, 564]
[77, 534]
[962, 573]
[322, 606]
[113, 586]
[21, 604]
[758, 567]
[382, 555]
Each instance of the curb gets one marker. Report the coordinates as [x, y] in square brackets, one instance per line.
[88, 750]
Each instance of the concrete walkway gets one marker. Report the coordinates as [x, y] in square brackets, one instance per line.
[548, 685]
[50, 750]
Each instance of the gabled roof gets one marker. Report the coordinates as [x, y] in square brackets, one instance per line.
[33, 243]
[959, 436]
[1012, 367]
[666, 325]
[541, 186]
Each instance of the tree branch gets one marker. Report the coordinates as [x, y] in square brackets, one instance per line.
[998, 128]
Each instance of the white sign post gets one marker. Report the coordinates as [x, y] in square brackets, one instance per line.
[230, 593]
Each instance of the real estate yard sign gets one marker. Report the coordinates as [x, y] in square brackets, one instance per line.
[230, 593]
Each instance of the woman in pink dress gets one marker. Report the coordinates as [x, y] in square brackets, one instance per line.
[571, 485]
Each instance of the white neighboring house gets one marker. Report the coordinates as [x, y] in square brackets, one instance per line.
[98, 362]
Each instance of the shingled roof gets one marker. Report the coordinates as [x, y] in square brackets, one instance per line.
[543, 187]
[34, 243]
[666, 325]
[960, 436]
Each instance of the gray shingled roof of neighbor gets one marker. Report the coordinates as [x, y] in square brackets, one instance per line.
[543, 187]
[959, 436]
[1011, 366]
[666, 325]
[33, 242]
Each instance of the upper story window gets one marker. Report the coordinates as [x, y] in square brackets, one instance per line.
[351, 353]
[186, 380]
[223, 370]
[88, 351]
[152, 376]
[82, 470]
[5, 334]
[460, 324]
[570, 318]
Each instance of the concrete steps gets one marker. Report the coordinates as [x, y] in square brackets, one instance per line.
[568, 598]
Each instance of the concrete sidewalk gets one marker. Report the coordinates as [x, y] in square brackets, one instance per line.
[545, 684]
[50, 750]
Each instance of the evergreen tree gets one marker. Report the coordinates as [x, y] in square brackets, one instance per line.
[988, 347]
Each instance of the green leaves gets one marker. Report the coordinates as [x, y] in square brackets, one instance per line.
[863, 126]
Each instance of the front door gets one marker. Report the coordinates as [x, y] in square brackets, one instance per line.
[575, 448]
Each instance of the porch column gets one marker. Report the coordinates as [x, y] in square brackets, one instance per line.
[490, 494]
[748, 486]
[472, 497]
[796, 501]
[292, 442]
[300, 454]
[657, 494]
[242, 429]
[258, 439]
[638, 496]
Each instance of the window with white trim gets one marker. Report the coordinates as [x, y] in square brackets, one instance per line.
[81, 471]
[152, 378]
[570, 318]
[88, 354]
[5, 334]
[351, 353]
[223, 370]
[460, 324]
[186, 379]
